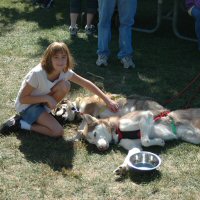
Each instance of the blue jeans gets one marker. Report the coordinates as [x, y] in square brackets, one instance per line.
[196, 14]
[126, 10]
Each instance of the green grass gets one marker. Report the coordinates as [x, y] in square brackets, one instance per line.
[38, 167]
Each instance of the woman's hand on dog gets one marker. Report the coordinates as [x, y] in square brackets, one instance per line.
[113, 106]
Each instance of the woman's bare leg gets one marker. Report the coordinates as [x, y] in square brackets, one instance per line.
[73, 18]
[48, 125]
[90, 17]
[60, 90]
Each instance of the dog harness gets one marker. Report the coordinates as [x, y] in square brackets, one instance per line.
[164, 114]
[128, 134]
[137, 134]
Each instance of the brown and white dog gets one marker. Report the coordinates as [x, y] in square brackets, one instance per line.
[95, 106]
[155, 128]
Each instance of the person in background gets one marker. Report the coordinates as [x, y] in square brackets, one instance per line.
[75, 10]
[127, 11]
[193, 8]
[43, 87]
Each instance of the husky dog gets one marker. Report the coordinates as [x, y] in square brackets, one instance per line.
[154, 129]
[93, 105]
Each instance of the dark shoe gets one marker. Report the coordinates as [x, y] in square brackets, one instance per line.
[11, 125]
[73, 30]
[90, 30]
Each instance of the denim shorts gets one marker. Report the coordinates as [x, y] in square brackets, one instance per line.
[32, 113]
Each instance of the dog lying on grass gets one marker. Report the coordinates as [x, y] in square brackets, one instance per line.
[155, 128]
[93, 105]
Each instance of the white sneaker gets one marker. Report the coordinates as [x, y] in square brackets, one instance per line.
[73, 30]
[128, 62]
[102, 61]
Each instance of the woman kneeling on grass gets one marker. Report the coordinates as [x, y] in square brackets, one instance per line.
[43, 87]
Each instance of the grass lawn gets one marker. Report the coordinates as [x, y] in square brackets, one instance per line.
[37, 167]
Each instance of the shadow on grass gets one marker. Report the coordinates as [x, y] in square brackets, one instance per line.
[45, 18]
[144, 177]
[56, 152]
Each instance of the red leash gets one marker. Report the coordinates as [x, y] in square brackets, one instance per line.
[192, 98]
[168, 101]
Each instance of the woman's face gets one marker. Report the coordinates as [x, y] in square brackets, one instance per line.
[59, 61]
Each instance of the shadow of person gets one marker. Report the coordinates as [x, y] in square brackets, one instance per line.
[56, 152]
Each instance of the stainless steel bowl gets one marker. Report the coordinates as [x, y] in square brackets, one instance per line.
[144, 161]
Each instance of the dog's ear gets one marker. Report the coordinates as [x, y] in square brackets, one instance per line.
[77, 102]
[59, 111]
[90, 119]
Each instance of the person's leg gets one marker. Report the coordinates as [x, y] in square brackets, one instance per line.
[60, 90]
[196, 14]
[89, 27]
[106, 9]
[73, 18]
[127, 11]
[91, 11]
[46, 124]
[75, 7]
[36, 118]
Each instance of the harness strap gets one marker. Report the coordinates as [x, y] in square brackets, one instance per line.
[173, 126]
[162, 114]
[128, 134]
[137, 133]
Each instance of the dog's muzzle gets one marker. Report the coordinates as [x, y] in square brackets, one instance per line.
[102, 145]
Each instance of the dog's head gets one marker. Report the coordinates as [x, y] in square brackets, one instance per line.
[66, 110]
[97, 132]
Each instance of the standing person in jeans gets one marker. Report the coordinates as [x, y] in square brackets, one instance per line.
[75, 10]
[193, 7]
[126, 10]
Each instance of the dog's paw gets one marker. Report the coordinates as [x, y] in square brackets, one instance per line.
[120, 171]
[160, 142]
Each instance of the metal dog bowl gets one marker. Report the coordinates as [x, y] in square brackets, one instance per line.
[144, 161]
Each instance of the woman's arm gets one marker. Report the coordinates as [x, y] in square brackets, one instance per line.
[27, 98]
[94, 89]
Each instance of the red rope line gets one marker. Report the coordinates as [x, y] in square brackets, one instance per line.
[182, 91]
[192, 98]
